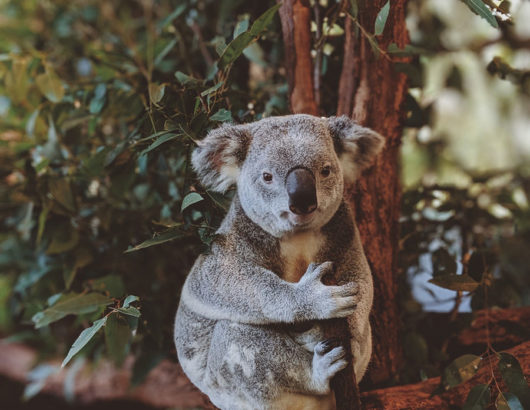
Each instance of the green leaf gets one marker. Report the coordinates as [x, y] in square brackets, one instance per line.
[85, 337]
[156, 92]
[166, 236]
[117, 335]
[130, 299]
[513, 376]
[478, 398]
[70, 304]
[98, 101]
[172, 16]
[43, 216]
[190, 199]
[159, 141]
[478, 7]
[187, 80]
[234, 49]
[241, 27]
[32, 121]
[62, 192]
[212, 89]
[222, 115]
[380, 20]
[463, 283]
[50, 85]
[407, 51]
[130, 311]
[263, 21]
[160, 57]
[111, 284]
[461, 369]
[64, 238]
[508, 401]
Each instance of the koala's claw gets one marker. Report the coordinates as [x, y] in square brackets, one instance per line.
[323, 301]
[325, 346]
[316, 272]
[327, 365]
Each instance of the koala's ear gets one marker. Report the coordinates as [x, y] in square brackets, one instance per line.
[218, 158]
[356, 146]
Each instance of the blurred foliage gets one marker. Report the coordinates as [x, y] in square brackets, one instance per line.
[101, 104]
[465, 226]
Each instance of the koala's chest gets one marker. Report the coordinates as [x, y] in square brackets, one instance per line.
[297, 252]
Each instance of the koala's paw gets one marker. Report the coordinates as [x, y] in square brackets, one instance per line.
[328, 360]
[327, 302]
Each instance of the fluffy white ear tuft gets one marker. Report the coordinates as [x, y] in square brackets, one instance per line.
[356, 146]
[218, 158]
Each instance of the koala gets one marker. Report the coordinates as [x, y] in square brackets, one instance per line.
[248, 327]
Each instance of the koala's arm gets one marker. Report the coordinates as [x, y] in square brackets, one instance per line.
[225, 288]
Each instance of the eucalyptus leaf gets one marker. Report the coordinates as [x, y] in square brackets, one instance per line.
[85, 337]
[130, 299]
[50, 85]
[117, 335]
[463, 283]
[129, 311]
[460, 370]
[163, 237]
[513, 376]
[212, 89]
[380, 20]
[508, 401]
[234, 49]
[61, 191]
[159, 141]
[70, 304]
[478, 398]
[190, 199]
[478, 7]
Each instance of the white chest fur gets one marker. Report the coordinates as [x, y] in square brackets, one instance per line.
[297, 252]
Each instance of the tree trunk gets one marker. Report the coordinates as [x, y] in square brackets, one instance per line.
[296, 27]
[372, 93]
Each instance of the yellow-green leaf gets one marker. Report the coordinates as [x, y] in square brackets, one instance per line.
[50, 85]
[461, 369]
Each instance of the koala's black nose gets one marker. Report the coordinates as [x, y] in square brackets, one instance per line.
[300, 184]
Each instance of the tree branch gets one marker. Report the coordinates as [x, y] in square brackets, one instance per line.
[420, 395]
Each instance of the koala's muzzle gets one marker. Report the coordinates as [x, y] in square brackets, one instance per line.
[301, 187]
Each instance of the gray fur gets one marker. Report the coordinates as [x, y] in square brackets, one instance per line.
[245, 335]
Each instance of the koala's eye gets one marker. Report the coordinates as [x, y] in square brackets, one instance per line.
[267, 177]
[325, 171]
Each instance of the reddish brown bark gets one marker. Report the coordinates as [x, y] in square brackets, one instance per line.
[296, 19]
[420, 395]
[372, 92]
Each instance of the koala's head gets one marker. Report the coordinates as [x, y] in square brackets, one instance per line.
[290, 170]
